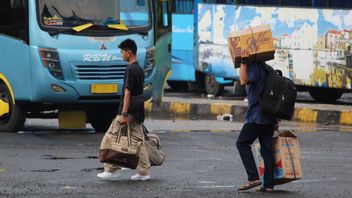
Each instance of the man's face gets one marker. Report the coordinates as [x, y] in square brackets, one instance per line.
[126, 54]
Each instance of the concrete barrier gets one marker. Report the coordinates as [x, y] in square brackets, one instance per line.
[210, 110]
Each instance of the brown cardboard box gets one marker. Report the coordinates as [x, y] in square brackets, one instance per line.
[256, 43]
[287, 156]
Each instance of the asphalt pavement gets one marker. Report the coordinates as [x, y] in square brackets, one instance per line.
[43, 161]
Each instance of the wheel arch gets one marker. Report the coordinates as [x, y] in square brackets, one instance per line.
[4, 80]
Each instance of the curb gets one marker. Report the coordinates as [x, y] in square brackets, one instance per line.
[187, 110]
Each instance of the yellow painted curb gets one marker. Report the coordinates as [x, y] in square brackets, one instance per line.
[346, 118]
[220, 108]
[148, 106]
[180, 107]
[307, 115]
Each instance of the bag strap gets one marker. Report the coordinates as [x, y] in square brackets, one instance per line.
[118, 137]
[145, 132]
[291, 158]
[129, 141]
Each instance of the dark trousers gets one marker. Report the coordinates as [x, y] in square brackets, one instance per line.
[249, 133]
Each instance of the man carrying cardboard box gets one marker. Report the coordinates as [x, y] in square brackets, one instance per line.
[257, 125]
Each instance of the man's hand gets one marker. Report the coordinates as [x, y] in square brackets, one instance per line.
[123, 120]
[276, 126]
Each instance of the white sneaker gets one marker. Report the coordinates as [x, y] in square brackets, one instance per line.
[108, 175]
[138, 177]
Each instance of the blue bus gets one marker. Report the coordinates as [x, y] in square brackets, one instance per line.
[313, 42]
[182, 44]
[60, 58]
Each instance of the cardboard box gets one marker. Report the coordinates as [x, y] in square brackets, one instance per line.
[256, 43]
[287, 156]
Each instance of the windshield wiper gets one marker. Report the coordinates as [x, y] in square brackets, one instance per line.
[122, 26]
[78, 28]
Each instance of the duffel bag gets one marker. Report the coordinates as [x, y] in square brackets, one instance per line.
[153, 147]
[118, 148]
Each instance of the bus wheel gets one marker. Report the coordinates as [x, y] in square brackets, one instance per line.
[101, 118]
[325, 95]
[212, 87]
[177, 85]
[12, 116]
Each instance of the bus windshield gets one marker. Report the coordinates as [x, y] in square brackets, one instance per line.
[56, 14]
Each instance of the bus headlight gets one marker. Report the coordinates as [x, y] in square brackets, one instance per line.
[50, 58]
[150, 61]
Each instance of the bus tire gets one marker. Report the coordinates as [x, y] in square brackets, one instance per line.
[212, 87]
[325, 95]
[178, 85]
[101, 118]
[200, 77]
[13, 121]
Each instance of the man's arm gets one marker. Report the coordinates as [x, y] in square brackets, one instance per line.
[126, 104]
[126, 100]
[243, 74]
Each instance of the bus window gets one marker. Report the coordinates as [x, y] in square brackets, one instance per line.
[250, 2]
[14, 19]
[165, 14]
[296, 3]
[182, 6]
[140, 3]
[272, 2]
[332, 4]
[320, 3]
[224, 1]
[341, 4]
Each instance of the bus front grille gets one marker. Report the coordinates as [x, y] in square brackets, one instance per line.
[99, 72]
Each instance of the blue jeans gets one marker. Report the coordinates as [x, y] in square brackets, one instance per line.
[249, 133]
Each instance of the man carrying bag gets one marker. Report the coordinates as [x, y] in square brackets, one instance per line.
[131, 111]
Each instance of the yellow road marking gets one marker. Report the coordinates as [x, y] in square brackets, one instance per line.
[346, 118]
[148, 106]
[220, 108]
[180, 107]
[307, 115]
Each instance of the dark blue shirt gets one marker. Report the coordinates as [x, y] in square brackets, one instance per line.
[256, 76]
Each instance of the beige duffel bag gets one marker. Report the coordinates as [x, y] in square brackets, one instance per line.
[153, 147]
[118, 148]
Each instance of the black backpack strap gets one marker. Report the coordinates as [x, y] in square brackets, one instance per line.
[267, 69]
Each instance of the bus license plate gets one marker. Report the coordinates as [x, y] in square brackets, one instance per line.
[103, 88]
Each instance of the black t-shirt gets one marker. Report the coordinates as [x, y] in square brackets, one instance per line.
[133, 81]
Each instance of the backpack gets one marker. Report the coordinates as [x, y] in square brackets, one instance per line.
[278, 96]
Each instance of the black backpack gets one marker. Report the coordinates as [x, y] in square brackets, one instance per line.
[279, 95]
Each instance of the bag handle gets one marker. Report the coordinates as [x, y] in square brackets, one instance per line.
[129, 136]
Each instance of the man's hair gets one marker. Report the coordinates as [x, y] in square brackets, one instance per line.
[128, 44]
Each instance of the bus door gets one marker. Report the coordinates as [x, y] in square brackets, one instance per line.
[162, 39]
